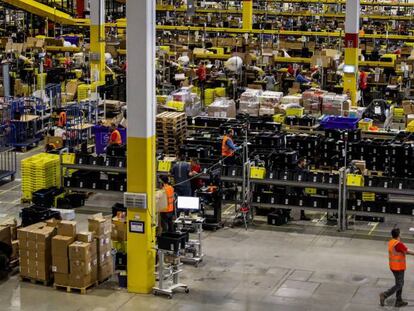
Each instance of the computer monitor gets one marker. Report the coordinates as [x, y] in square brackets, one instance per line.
[188, 203]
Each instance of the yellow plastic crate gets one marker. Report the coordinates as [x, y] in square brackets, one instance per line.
[365, 124]
[368, 196]
[220, 92]
[410, 127]
[179, 106]
[399, 112]
[209, 95]
[165, 48]
[119, 246]
[257, 172]
[41, 81]
[83, 91]
[295, 112]
[164, 166]
[279, 118]
[311, 191]
[161, 99]
[355, 180]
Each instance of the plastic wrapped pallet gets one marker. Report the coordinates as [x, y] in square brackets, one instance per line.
[312, 100]
[334, 104]
[291, 99]
[249, 102]
[270, 99]
[222, 108]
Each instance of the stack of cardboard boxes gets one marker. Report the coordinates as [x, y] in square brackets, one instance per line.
[83, 264]
[101, 228]
[8, 235]
[35, 251]
[74, 257]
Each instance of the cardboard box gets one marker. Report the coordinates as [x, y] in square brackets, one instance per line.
[105, 271]
[62, 279]
[60, 265]
[12, 223]
[86, 237]
[81, 281]
[42, 235]
[37, 246]
[67, 228]
[5, 235]
[119, 230]
[408, 106]
[60, 245]
[83, 267]
[23, 233]
[82, 251]
[15, 249]
[99, 225]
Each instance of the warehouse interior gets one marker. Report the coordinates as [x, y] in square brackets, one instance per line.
[268, 161]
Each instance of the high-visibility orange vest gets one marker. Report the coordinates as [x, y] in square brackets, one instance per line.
[397, 259]
[225, 150]
[118, 139]
[169, 190]
[62, 119]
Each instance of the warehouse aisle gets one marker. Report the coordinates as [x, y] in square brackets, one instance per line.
[243, 270]
[253, 270]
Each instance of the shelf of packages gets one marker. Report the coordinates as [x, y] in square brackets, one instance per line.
[407, 192]
[94, 190]
[318, 2]
[95, 168]
[282, 206]
[281, 32]
[63, 49]
[279, 13]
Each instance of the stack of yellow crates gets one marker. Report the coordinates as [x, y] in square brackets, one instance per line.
[83, 91]
[220, 92]
[39, 172]
[41, 81]
[209, 96]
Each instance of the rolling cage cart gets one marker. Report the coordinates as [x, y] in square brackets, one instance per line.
[30, 118]
[78, 129]
[8, 163]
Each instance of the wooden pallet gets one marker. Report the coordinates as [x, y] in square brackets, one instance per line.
[70, 289]
[34, 281]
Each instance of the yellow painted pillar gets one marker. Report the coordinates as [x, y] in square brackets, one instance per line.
[351, 72]
[97, 44]
[247, 16]
[141, 171]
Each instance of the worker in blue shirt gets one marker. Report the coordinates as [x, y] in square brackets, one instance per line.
[300, 78]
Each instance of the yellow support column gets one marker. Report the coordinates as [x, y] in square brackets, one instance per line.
[97, 44]
[247, 14]
[351, 73]
[141, 171]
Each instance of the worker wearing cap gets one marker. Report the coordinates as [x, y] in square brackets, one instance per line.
[115, 138]
[397, 252]
[228, 148]
[166, 217]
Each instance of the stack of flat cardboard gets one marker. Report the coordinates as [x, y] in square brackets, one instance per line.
[101, 228]
[35, 251]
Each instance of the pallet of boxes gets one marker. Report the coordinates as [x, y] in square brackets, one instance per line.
[35, 253]
[82, 260]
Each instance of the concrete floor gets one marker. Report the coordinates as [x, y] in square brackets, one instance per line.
[293, 268]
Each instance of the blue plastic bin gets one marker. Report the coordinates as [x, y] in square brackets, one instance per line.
[339, 123]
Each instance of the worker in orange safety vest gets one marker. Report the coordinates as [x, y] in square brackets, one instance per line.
[167, 217]
[228, 148]
[115, 138]
[397, 252]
